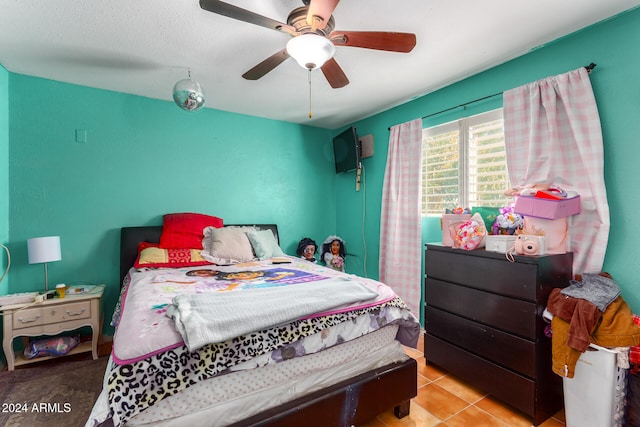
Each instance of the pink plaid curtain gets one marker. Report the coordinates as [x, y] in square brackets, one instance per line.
[400, 222]
[553, 135]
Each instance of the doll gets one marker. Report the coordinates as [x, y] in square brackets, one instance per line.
[333, 252]
[307, 249]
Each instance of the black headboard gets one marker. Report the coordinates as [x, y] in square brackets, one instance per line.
[131, 237]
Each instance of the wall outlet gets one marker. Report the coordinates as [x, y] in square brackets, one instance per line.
[81, 136]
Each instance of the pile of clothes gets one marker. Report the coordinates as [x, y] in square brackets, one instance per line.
[591, 310]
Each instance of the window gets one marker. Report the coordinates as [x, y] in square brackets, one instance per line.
[464, 164]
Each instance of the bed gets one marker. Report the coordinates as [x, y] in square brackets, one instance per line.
[339, 367]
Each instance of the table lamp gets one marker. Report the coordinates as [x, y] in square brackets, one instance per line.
[44, 250]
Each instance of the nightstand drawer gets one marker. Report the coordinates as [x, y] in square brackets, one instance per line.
[28, 317]
[52, 314]
[67, 312]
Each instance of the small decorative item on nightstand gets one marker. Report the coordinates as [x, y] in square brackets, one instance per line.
[60, 290]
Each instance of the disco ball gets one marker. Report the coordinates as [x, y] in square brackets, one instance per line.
[188, 95]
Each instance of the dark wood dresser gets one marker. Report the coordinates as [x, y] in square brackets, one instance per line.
[483, 323]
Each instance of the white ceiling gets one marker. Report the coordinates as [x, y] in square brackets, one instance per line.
[143, 47]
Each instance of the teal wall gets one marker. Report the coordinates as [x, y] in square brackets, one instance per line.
[613, 46]
[4, 175]
[144, 158]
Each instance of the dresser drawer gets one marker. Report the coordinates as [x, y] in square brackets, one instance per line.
[507, 314]
[483, 273]
[28, 317]
[529, 278]
[67, 312]
[502, 348]
[502, 383]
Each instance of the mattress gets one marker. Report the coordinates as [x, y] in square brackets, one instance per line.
[229, 398]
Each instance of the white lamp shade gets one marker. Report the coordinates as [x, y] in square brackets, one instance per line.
[44, 249]
[311, 51]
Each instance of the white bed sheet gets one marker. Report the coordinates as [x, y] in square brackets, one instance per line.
[229, 398]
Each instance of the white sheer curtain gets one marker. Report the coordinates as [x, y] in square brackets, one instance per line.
[553, 135]
[400, 220]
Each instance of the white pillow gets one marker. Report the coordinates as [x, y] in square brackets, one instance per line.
[264, 244]
[227, 245]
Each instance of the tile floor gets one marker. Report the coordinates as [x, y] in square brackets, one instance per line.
[444, 400]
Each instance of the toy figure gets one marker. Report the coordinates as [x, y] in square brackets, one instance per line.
[333, 252]
[307, 249]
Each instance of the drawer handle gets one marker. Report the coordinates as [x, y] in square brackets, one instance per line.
[21, 320]
[77, 313]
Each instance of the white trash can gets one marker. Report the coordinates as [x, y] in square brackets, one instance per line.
[595, 396]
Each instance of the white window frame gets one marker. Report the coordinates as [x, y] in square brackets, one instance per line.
[462, 126]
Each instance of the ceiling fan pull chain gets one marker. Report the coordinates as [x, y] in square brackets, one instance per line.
[310, 115]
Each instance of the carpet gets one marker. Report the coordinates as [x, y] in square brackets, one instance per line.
[59, 392]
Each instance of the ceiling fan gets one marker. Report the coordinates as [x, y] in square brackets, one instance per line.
[312, 29]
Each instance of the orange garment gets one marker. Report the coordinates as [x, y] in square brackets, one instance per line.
[615, 329]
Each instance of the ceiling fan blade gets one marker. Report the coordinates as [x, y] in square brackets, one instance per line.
[334, 74]
[231, 11]
[267, 65]
[319, 13]
[379, 40]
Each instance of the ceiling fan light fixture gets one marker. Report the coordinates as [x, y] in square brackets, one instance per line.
[311, 51]
[188, 94]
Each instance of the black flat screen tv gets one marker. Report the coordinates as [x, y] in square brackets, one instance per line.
[346, 150]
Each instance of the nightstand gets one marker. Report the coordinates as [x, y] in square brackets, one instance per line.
[53, 317]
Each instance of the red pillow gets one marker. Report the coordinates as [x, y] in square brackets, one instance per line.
[152, 256]
[185, 230]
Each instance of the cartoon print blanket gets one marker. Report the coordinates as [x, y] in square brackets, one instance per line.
[219, 316]
[145, 328]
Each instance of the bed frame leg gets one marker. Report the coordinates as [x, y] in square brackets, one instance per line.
[402, 410]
